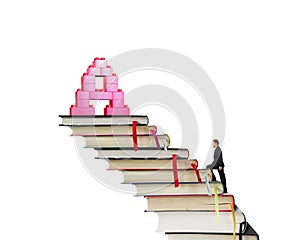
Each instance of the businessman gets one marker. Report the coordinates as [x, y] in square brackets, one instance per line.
[218, 164]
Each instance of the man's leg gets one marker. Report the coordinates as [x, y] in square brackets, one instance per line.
[223, 179]
[213, 175]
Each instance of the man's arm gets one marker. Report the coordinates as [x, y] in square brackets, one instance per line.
[217, 155]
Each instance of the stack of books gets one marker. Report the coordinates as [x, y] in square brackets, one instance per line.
[189, 205]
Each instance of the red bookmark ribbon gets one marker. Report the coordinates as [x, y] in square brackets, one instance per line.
[194, 165]
[175, 170]
[134, 136]
[153, 132]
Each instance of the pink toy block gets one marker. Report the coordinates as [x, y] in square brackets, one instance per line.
[81, 111]
[82, 103]
[99, 62]
[110, 79]
[101, 95]
[117, 103]
[106, 71]
[93, 71]
[87, 79]
[99, 71]
[118, 95]
[116, 111]
[111, 87]
[82, 94]
[88, 87]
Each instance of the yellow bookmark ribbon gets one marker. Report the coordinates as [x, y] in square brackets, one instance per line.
[234, 220]
[217, 204]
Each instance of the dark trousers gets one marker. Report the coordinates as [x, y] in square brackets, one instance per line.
[222, 177]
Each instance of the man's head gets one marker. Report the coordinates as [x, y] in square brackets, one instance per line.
[215, 143]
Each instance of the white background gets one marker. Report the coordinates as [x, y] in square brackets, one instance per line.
[250, 49]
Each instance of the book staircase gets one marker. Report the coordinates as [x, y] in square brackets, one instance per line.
[189, 205]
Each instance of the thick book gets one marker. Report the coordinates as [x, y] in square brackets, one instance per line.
[125, 141]
[103, 120]
[199, 221]
[248, 234]
[150, 176]
[111, 130]
[194, 202]
[141, 153]
[154, 189]
[148, 164]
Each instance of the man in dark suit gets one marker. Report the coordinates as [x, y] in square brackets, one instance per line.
[218, 164]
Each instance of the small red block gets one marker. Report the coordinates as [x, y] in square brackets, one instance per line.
[111, 87]
[110, 79]
[106, 71]
[99, 62]
[82, 103]
[101, 95]
[117, 103]
[93, 71]
[82, 94]
[118, 95]
[117, 111]
[74, 111]
[87, 79]
[90, 87]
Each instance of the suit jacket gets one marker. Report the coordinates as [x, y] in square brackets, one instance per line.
[218, 159]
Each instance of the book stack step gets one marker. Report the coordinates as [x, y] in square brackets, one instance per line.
[189, 205]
